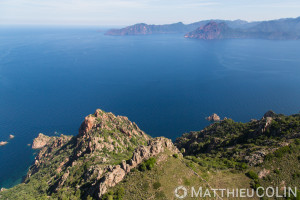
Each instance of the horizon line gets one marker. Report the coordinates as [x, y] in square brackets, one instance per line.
[125, 25]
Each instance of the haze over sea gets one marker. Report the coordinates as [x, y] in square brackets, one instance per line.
[52, 77]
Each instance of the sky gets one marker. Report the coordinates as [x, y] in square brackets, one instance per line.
[126, 12]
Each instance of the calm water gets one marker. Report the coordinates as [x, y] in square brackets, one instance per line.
[51, 78]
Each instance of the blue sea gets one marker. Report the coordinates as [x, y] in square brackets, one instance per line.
[52, 77]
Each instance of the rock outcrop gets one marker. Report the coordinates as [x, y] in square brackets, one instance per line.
[11, 136]
[214, 118]
[40, 141]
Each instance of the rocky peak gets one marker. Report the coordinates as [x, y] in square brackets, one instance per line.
[101, 120]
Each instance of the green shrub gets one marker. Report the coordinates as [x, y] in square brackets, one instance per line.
[142, 167]
[175, 155]
[160, 195]
[296, 175]
[241, 166]
[119, 194]
[283, 150]
[269, 157]
[252, 175]
[297, 197]
[276, 171]
[156, 185]
[148, 164]
[186, 182]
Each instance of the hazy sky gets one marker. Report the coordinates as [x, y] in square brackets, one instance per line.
[125, 12]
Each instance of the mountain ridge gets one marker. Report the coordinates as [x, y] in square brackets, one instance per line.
[281, 29]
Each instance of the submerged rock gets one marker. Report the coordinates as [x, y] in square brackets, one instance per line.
[2, 143]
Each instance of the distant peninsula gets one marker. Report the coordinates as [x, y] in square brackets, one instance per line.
[281, 29]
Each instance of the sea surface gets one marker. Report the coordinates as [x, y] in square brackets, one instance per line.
[52, 77]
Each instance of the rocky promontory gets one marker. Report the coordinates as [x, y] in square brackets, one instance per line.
[40, 141]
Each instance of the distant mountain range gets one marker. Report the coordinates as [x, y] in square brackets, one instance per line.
[280, 29]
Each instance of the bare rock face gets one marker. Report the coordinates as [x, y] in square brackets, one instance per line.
[256, 157]
[214, 118]
[87, 124]
[265, 124]
[11, 136]
[263, 173]
[40, 141]
[117, 173]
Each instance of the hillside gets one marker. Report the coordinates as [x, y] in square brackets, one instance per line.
[281, 29]
[146, 29]
[111, 158]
